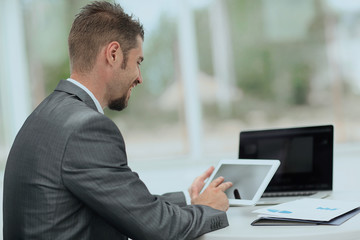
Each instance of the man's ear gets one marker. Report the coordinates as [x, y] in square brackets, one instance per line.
[114, 53]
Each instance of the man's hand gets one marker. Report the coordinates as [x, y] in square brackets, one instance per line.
[213, 196]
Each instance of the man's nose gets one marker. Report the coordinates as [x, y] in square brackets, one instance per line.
[140, 79]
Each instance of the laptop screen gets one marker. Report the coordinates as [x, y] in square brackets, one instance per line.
[305, 153]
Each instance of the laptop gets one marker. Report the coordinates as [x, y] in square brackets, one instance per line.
[306, 157]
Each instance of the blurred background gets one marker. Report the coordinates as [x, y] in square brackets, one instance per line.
[212, 69]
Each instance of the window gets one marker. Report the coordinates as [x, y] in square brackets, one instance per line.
[216, 67]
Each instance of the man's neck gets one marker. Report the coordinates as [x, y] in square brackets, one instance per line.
[94, 86]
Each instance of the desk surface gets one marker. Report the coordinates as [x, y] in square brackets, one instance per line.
[240, 219]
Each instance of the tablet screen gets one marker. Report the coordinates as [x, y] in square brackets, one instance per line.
[249, 177]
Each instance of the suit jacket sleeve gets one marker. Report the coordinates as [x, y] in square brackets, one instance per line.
[174, 197]
[95, 170]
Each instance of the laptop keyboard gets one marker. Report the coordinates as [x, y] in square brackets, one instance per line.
[289, 194]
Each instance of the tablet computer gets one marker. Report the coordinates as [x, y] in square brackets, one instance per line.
[250, 178]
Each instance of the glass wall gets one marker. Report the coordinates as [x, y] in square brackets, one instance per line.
[216, 67]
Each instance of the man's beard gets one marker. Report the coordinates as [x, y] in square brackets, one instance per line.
[118, 104]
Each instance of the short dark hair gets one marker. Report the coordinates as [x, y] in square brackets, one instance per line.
[98, 24]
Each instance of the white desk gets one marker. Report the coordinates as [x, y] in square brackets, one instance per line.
[179, 176]
[240, 219]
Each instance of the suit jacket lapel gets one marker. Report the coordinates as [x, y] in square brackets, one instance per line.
[69, 87]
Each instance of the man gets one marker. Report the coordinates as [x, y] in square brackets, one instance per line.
[67, 175]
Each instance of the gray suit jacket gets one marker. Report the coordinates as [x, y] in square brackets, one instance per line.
[67, 177]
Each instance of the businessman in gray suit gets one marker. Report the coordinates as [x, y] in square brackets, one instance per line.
[67, 175]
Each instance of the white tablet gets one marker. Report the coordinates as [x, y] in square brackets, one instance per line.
[249, 177]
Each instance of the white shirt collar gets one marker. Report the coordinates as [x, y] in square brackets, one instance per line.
[97, 104]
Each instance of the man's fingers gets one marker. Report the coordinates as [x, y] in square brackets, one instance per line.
[225, 185]
[219, 182]
[199, 183]
[206, 174]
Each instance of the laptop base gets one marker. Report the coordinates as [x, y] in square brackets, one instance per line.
[283, 199]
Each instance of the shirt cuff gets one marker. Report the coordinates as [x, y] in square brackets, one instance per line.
[187, 197]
